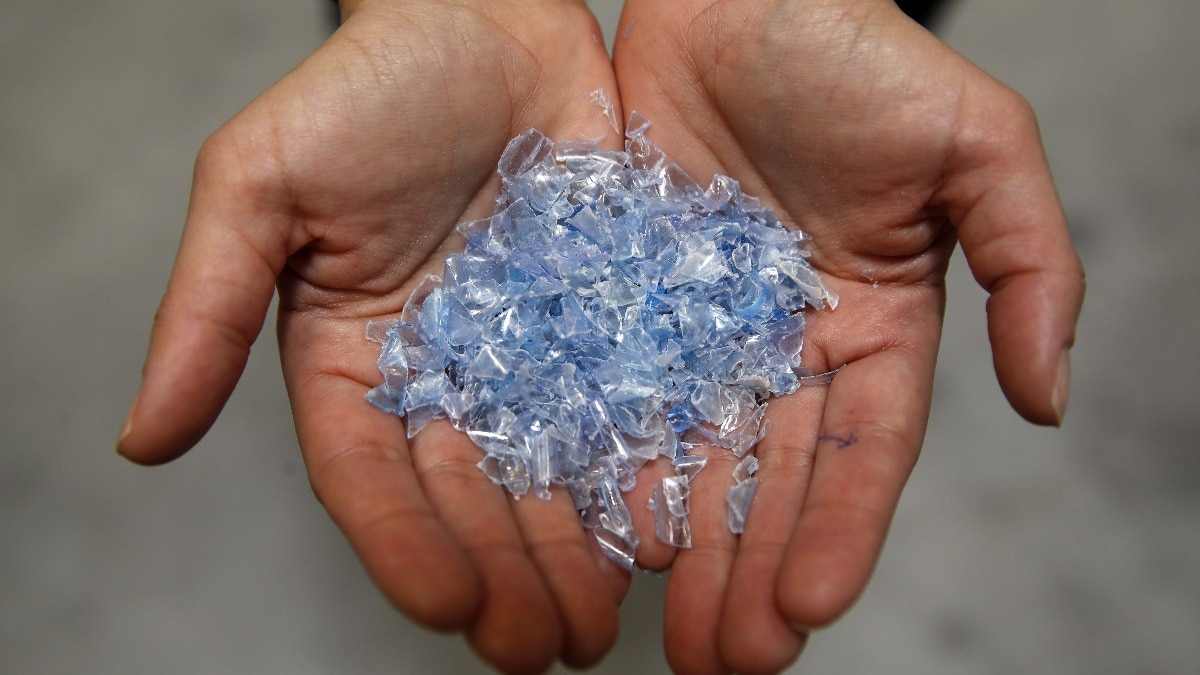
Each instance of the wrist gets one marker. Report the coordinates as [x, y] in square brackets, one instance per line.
[350, 6]
[497, 10]
[537, 24]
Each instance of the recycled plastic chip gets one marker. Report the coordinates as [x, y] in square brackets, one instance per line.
[609, 312]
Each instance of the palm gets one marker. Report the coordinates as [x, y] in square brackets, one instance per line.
[343, 184]
[869, 134]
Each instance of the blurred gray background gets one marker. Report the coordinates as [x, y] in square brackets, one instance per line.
[1015, 549]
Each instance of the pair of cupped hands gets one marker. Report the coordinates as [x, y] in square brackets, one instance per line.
[340, 186]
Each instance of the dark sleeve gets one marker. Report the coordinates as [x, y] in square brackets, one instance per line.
[924, 12]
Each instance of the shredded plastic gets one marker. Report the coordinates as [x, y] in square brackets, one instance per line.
[741, 495]
[609, 312]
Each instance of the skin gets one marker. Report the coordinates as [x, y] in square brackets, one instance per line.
[864, 130]
[339, 187]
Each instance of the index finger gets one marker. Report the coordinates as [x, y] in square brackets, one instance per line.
[361, 470]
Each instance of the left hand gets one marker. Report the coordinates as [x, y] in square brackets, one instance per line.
[864, 130]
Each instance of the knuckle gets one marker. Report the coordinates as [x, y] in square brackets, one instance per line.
[239, 162]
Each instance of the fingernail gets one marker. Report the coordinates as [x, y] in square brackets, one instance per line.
[1062, 386]
[126, 428]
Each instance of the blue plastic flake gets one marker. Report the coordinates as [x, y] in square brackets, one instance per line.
[609, 312]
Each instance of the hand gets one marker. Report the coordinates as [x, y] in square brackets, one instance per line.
[342, 184]
[868, 133]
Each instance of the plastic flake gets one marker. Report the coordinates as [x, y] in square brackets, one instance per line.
[609, 312]
[600, 98]
[741, 495]
[670, 505]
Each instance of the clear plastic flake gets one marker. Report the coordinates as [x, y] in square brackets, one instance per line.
[609, 312]
[741, 495]
[670, 506]
[739, 499]
[745, 469]
[600, 98]
[689, 465]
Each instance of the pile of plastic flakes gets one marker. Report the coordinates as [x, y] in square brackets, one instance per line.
[610, 312]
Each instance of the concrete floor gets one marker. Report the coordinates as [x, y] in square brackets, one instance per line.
[1015, 550]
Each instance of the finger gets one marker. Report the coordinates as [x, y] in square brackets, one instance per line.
[517, 627]
[755, 637]
[234, 245]
[361, 470]
[699, 576]
[559, 547]
[871, 433]
[616, 578]
[1013, 231]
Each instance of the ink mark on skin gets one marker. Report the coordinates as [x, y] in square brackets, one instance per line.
[839, 442]
[628, 29]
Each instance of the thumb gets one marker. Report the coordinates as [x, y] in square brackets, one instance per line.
[234, 245]
[1001, 197]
